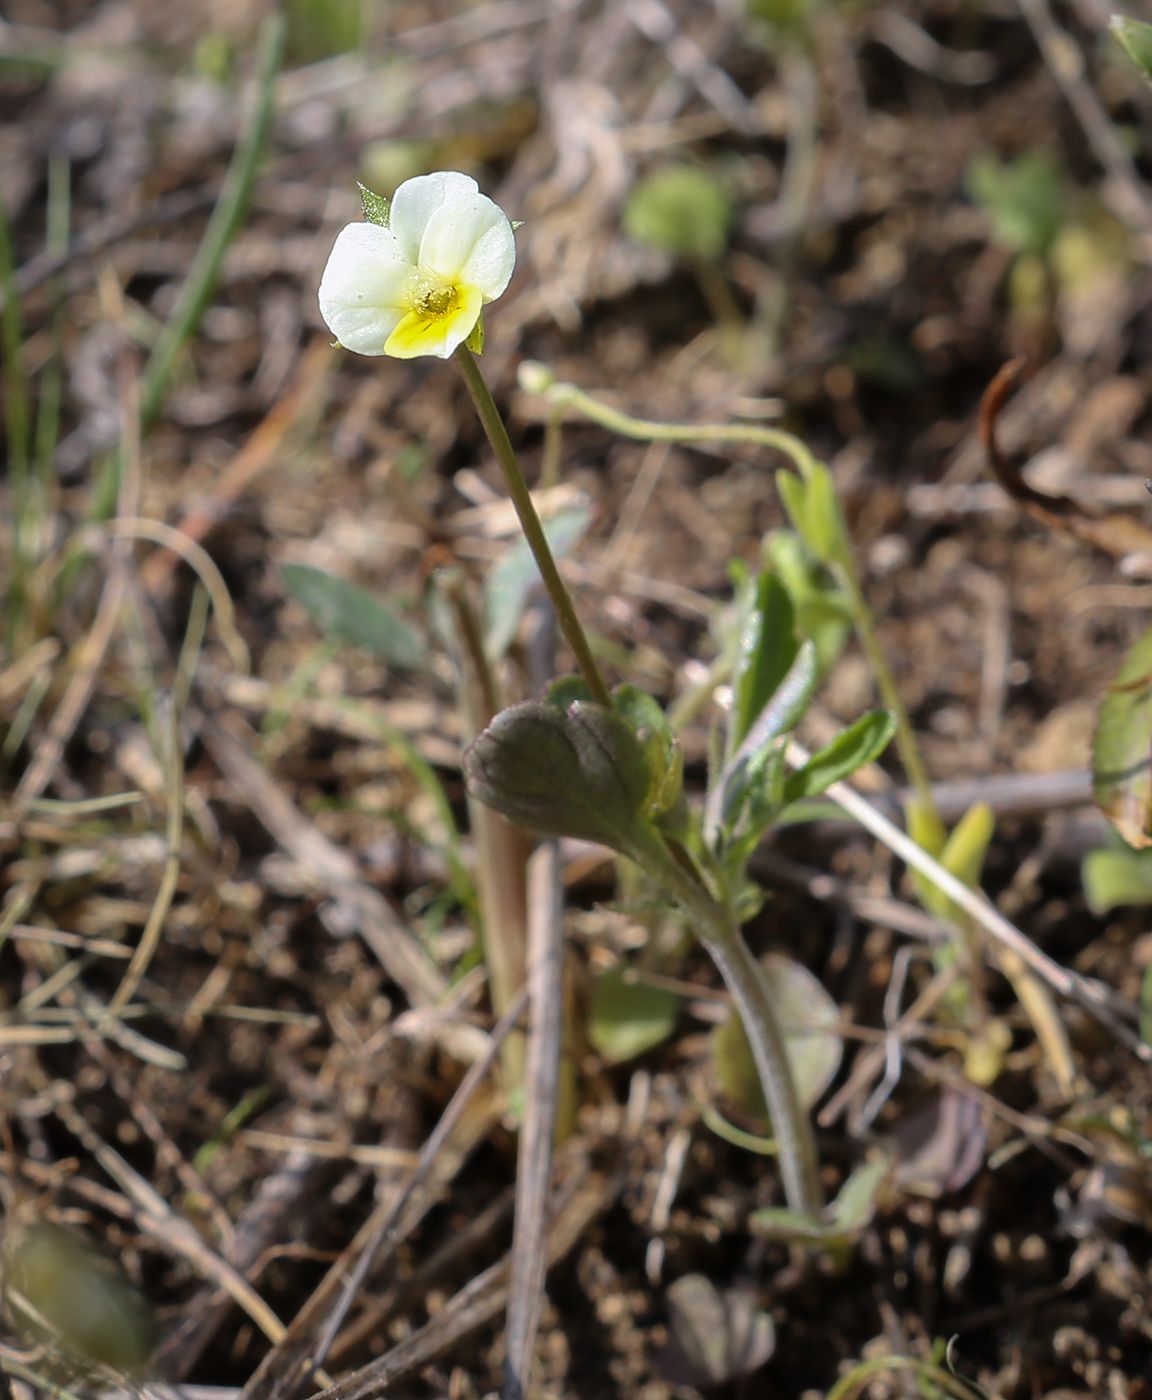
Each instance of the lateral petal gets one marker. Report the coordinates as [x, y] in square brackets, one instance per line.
[366, 287]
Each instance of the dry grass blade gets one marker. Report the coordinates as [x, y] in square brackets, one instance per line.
[393, 943]
[385, 1238]
[156, 1218]
[460, 1245]
[263, 1221]
[537, 1131]
[257, 453]
[154, 928]
[210, 576]
[290, 1364]
[1064, 981]
[89, 656]
[577, 1203]
[1115, 533]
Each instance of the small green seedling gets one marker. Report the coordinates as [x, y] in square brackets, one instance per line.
[684, 210]
[1024, 201]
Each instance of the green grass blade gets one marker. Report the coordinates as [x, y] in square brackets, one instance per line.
[15, 381]
[231, 207]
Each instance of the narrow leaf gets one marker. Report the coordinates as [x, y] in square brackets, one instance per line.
[767, 648]
[1112, 877]
[344, 610]
[514, 576]
[851, 749]
[1122, 750]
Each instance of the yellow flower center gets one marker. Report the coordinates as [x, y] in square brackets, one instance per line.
[437, 309]
[436, 300]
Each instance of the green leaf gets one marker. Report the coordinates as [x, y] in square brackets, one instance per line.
[629, 1017]
[681, 209]
[815, 512]
[1146, 1006]
[1122, 749]
[1023, 199]
[513, 577]
[1135, 38]
[823, 615]
[1114, 876]
[79, 1301]
[851, 749]
[809, 1021]
[376, 207]
[761, 751]
[848, 1215]
[342, 609]
[794, 497]
[579, 773]
[767, 649]
[663, 749]
[323, 28]
[785, 15]
[962, 855]
[640, 709]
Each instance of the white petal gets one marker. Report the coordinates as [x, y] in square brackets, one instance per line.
[365, 289]
[417, 200]
[492, 259]
[470, 236]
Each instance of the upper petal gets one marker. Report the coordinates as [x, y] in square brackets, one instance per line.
[490, 264]
[468, 232]
[417, 200]
[366, 287]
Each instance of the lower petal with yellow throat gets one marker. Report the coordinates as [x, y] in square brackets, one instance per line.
[423, 331]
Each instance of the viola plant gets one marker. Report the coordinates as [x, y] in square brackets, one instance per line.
[584, 761]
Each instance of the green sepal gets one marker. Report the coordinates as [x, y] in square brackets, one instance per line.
[475, 340]
[1135, 38]
[377, 210]
[566, 691]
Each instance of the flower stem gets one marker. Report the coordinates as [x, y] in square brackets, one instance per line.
[717, 930]
[530, 523]
[539, 379]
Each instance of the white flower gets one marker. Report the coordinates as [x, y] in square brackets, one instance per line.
[416, 286]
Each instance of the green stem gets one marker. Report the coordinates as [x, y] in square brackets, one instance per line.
[530, 523]
[538, 379]
[906, 744]
[718, 931]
